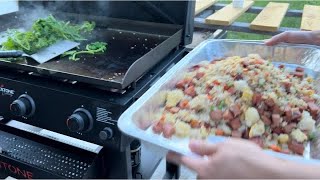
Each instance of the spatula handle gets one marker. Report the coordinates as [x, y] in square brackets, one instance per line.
[10, 54]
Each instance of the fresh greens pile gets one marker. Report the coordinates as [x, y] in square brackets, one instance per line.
[92, 48]
[45, 32]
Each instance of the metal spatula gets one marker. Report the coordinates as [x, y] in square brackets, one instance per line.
[44, 54]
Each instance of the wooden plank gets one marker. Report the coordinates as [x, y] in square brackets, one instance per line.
[228, 14]
[270, 17]
[199, 23]
[310, 18]
[201, 5]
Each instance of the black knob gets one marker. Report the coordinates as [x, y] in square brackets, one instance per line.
[24, 106]
[106, 134]
[81, 120]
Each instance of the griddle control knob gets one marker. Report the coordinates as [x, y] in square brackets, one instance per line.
[24, 106]
[81, 120]
[106, 134]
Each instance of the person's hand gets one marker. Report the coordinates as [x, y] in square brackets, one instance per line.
[234, 158]
[296, 37]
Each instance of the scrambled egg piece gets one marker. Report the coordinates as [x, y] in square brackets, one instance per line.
[298, 135]
[251, 116]
[171, 118]
[182, 129]
[199, 102]
[174, 97]
[240, 85]
[306, 123]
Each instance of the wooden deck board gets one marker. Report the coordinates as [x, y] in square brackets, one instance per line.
[201, 5]
[310, 18]
[227, 15]
[270, 17]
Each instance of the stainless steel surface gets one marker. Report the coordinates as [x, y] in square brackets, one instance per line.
[307, 56]
[53, 51]
[55, 136]
[44, 54]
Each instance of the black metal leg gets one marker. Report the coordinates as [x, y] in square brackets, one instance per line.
[172, 171]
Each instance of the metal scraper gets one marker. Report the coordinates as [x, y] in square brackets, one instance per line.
[45, 54]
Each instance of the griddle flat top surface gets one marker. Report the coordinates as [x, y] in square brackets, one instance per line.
[123, 49]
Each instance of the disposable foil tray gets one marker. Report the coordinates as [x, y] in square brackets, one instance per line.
[290, 54]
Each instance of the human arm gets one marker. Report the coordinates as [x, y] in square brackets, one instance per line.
[237, 158]
[297, 37]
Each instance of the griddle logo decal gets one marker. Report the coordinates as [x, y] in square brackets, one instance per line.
[6, 92]
[15, 170]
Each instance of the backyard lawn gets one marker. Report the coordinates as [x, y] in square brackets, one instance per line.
[287, 22]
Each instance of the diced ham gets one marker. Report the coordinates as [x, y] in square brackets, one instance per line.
[288, 113]
[269, 102]
[266, 120]
[302, 108]
[267, 114]
[199, 75]
[236, 134]
[299, 69]
[314, 109]
[227, 115]
[168, 130]
[257, 140]
[238, 77]
[245, 63]
[276, 110]
[288, 128]
[296, 147]
[216, 115]
[174, 110]
[232, 90]
[276, 120]
[296, 114]
[158, 127]
[235, 123]
[144, 124]
[260, 110]
[207, 125]
[190, 91]
[277, 130]
[195, 67]
[235, 109]
[307, 99]
[180, 84]
[184, 104]
[287, 86]
[256, 98]
[298, 74]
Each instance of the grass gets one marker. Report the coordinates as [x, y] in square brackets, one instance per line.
[293, 22]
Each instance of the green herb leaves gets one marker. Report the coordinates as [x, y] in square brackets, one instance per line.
[45, 32]
[92, 48]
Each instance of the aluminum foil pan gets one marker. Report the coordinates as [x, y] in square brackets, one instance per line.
[292, 55]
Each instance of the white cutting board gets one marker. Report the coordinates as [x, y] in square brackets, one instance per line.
[8, 6]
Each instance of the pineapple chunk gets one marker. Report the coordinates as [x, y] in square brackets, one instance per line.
[257, 129]
[251, 116]
[283, 138]
[247, 95]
